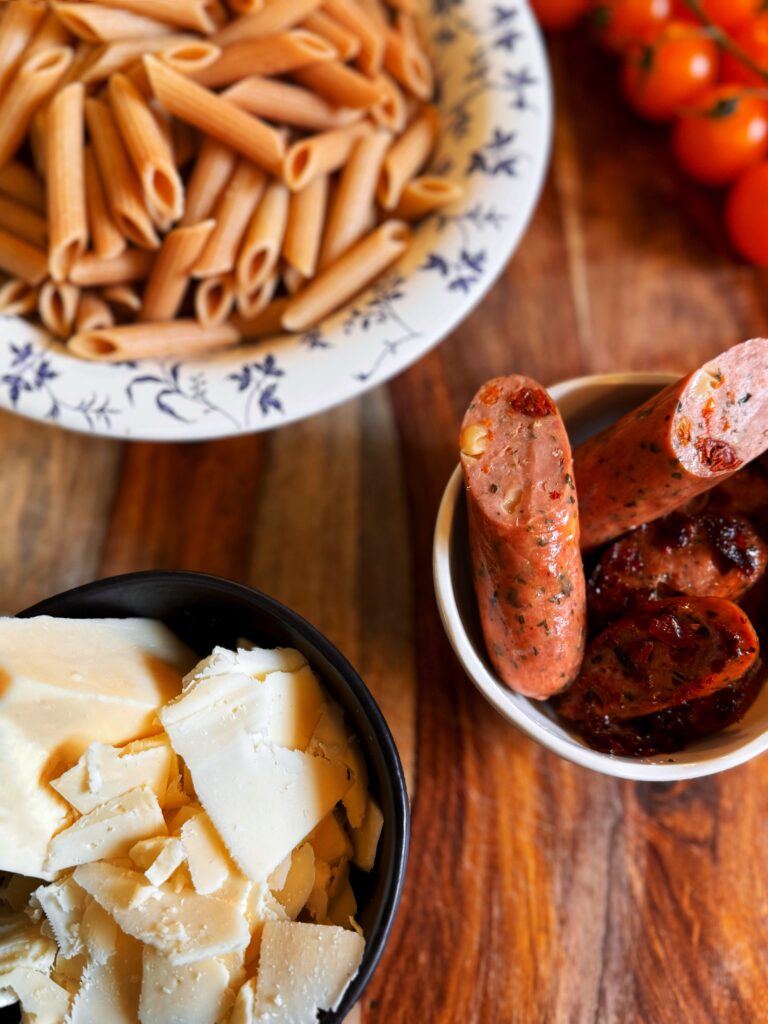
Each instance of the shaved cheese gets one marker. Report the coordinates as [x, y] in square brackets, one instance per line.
[356, 797]
[221, 704]
[296, 700]
[330, 736]
[109, 991]
[99, 933]
[195, 993]
[22, 944]
[206, 856]
[299, 882]
[108, 831]
[255, 662]
[329, 840]
[366, 838]
[63, 904]
[317, 902]
[176, 820]
[170, 857]
[104, 772]
[184, 926]
[42, 1000]
[342, 905]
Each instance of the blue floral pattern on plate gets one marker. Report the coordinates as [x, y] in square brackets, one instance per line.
[495, 99]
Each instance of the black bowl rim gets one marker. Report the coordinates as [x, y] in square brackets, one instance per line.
[379, 728]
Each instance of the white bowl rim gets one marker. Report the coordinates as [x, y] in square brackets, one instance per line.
[634, 769]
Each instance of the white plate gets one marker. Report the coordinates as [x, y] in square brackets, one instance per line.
[496, 103]
[587, 405]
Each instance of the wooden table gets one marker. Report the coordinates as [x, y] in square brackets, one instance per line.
[537, 891]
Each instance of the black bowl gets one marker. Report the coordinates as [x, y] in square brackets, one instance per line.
[206, 611]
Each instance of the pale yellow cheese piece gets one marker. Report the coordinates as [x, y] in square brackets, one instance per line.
[299, 882]
[329, 840]
[104, 772]
[330, 737]
[342, 905]
[253, 661]
[219, 704]
[109, 990]
[168, 859]
[63, 684]
[209, 863]
[365, 839]
[42, 1000]
[100, 934]
[296, 701]
[108, 831]
[195, 993]
[184, 926]
[63, 904]
[356, 797]
[317, 902]
[22, 944]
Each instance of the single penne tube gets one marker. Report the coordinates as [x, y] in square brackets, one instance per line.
[183, 143]
[353, 208]
[267, 322]
[391, 111]
[19, 23]
[18, 298]
[289, 104]
[124, 298]
[107, 239]
[215, 299]
[215, 116]
[22, 184]
[65, 160]
[22, 259]
[340, 85]
[29, 88]
[251, 304]
[122, 53]
[212, 171]
[239, 7]
[346, 43]
[369, 32]
[405, 60]
[92, 271]
[263, 240]
[151, 341]
[80, 62]
[199, 15]
[424, 195]
[275, 16]
[232, 214]
[293, 280]
[273, 55]
[137, 73]
[408, 156]
[98, 23]
[191, 56]
[24, 222]
[148, 149]
[321, 154]
[304, 231]
[93, 313]
[169, 279]
[121, 184]
[38, 140]
[340, 282]
[58, 307]
[51, 32]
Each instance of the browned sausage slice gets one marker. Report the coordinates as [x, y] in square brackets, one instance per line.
[681, 443]
[524, 532]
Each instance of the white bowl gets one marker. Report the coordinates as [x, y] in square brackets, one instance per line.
[495, 98]
[587, 404]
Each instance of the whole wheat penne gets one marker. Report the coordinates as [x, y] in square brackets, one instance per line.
[121, 183]
[408, 64]
[372, 42]
[422, 196]
[67, 213]
[22, 184]
[358, 267]
[19, 23]
[265, 323]
[340, 85]
[213, 169]
[215, 299]
[391, 111]
[29, 88]
[93, 313]
[151, 154]
[24, 222]
[107, 239]
[58, 307]
[199, 15]
[18, 298]
[124, 298]
[306, 219]
[352, 210]
[170, 274]
[147, 341]
[232, 214]
[263, 240]
[22, 259]
[275, 16]
[321, 154]
[93, 271]
[98, 23]
[239, 7]
[251, 304]
[273, 55]
[346, 43]
[215, 116]
[191, 56]
[407, 156]
[290, 104]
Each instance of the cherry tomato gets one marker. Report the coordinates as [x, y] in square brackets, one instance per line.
[752, 38]
[728, 14]
[558, 14]
[746, 214]
[620, 23]
[661, 77]
[724, 133]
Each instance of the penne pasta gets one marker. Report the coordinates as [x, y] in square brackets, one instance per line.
[19, 23]
[38, 140]
[18, 298]
[408, 156]
[121, 183]
[65, 160]
[369, 32]
[275, 16]
[99, 23]
[125, 297]
[273, 55]
[251, 304]
[24, 222]
[293, 280]
[263, 241]
[304, 231]
[50, 33]
[30, 87]
[216, 116]
[265, 323]
[213, 169]
[239, 7]
[232, 214]
[22, 184]
[148, 341]
[340, 85]
[200, 15]
[171, 272]
[92, 271]
[391, 111]
[191, 56]
[321, 154]
[108, 240]
[58, 307]
[346, 43]
[22, 259]
[150, 153]
[423, 196]
[405, 60]
[215, 299]
[93, 313]
[340, 282]
[121, 54]
[280, 101]
[353, 209]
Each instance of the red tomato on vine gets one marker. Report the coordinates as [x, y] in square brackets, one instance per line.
[724, 133]
[746, 214]
[752, 38]
[622, 23]
[662, 76]
[559, 14]
[728, 14]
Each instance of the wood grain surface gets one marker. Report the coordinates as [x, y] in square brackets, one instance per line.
[537, 892]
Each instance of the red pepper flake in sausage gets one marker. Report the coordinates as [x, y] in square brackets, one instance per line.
[532, 402]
